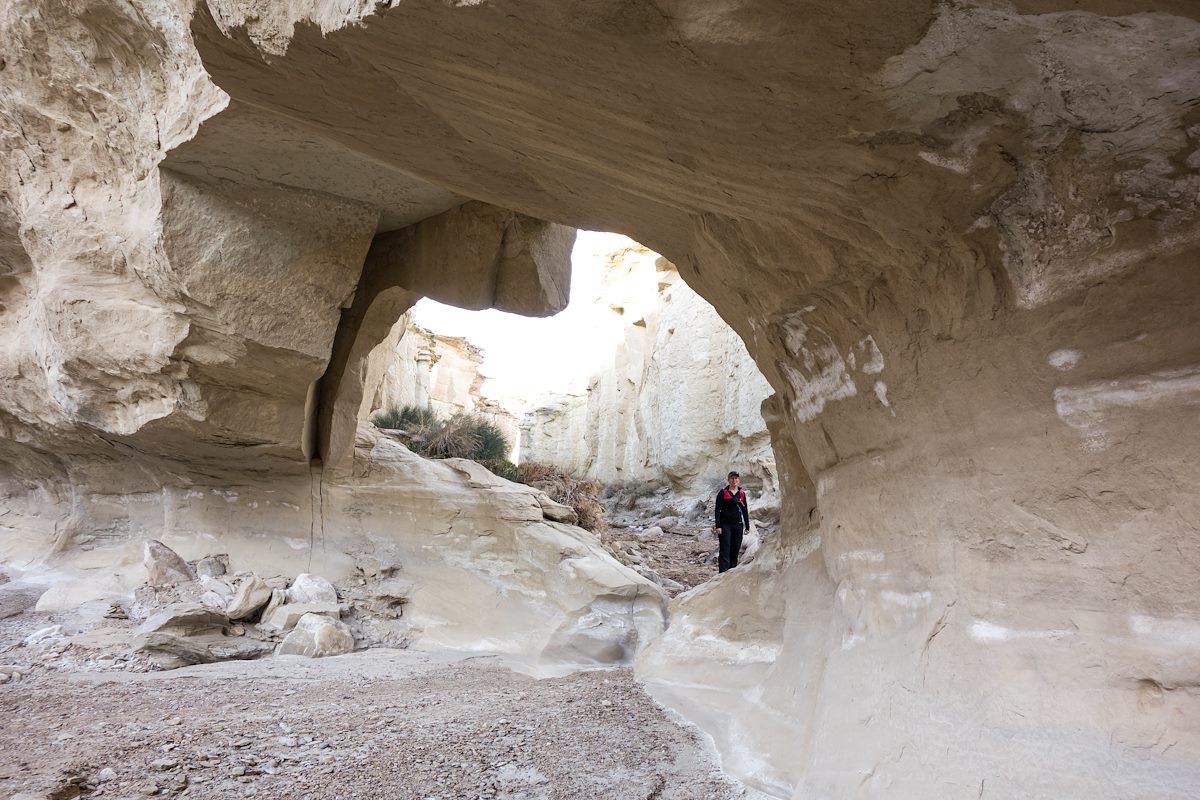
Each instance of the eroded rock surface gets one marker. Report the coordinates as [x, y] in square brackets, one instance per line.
[958, 240]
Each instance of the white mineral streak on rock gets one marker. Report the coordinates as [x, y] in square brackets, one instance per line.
[958, 165]
[822, 375]
[881, 394]
[1064, 360]
[1173, 633]
[872, 359]
[982, 630]
[1089, 408]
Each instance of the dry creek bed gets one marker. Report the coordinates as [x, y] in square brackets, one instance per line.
[377, 724]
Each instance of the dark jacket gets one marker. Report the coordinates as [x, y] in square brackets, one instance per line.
[731, 508]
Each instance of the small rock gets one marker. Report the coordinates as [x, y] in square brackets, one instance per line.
[213, 566]
[164, 764]
[217, 586]
[278, 598]
[107, 774]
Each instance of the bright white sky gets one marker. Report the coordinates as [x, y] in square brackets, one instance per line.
[527, 358]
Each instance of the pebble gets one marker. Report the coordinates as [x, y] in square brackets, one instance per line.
[164, 764]
[107, 774]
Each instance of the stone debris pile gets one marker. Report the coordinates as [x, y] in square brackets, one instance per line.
[199, 612]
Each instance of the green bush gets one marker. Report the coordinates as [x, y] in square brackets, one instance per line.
[467, 436]
[405, 418]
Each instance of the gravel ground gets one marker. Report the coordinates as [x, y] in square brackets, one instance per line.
[378, 724]
[682, 555]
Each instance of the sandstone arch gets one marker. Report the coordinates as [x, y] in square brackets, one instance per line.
[964, 237]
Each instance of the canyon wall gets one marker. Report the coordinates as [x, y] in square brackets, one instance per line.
[958, 239]
[676, 405]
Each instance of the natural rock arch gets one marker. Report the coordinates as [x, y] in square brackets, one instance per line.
[958, 239]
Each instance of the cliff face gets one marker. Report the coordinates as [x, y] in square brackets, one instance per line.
[677, 404]
[959, 240]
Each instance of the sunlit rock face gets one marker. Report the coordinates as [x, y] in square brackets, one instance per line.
[959, 241]
[676, 404]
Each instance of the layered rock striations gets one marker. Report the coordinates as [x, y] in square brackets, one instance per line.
[958, 240]
[678, 403]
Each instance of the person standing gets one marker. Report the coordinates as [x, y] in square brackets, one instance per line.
[732, 520]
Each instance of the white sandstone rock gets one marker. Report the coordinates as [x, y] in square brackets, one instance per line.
[251, 594]
[216, 586]
[317, 636]
[308, 588]
[284, 617]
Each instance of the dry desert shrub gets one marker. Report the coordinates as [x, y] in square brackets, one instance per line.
[461, 436]
[563, 487]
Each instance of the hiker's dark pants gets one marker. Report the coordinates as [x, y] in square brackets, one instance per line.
[731, 544]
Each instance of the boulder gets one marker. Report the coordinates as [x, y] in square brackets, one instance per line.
[667, 523]
[285, 617]
[317, 636]
[191, 633]
[164, 566]
[308, 588]
[252, 594]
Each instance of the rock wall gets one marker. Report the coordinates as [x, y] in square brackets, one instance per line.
[677, 405]
[958, 239]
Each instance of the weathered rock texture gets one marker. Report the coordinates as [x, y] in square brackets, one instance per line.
[958, 239]
[678, 404]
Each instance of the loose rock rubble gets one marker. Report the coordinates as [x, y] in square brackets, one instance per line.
[198, 613]
[381, 723]
[676, 551]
